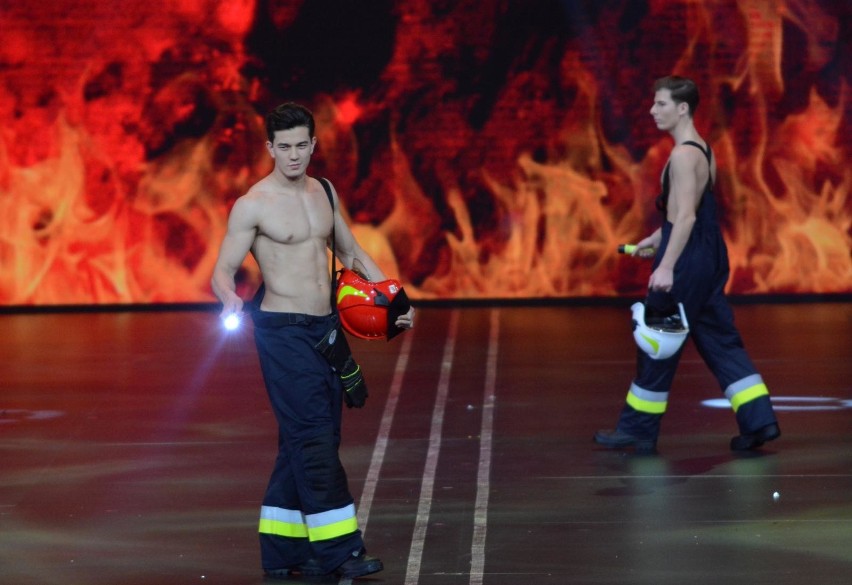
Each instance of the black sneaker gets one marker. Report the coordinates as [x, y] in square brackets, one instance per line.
[754, 440]
[620, 440]
[310, 568]
[359, 565]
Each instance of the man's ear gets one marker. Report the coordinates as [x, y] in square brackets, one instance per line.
[269, 149]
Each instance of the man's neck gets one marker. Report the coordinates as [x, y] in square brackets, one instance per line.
[289, 183]
[685, 131]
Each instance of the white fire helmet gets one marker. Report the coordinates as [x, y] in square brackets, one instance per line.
[662, 339]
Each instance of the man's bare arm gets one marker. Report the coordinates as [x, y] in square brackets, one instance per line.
[236, 244]
[683, 201]
[349, 251]
[351, 254]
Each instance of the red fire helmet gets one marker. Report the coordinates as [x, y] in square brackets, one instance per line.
[369, 309]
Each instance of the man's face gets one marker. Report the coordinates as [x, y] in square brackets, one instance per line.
[665, 111]
[292, 150]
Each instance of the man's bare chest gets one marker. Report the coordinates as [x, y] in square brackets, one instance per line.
[294, 221]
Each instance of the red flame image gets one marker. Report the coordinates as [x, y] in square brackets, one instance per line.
[483, 149]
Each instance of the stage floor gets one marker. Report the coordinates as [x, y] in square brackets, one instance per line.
[135, 449]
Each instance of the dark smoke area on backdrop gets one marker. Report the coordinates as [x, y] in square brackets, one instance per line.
[483, 148]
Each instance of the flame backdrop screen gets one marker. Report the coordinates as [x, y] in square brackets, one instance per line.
[482, 148]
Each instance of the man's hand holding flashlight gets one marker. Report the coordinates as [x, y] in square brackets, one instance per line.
[232, 312]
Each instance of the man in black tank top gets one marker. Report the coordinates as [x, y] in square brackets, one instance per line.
[690, 267]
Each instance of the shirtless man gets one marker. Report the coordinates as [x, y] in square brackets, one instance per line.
[308, 524]
[690, 266]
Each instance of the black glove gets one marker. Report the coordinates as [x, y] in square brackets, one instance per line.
[335, 349]
[354, 388]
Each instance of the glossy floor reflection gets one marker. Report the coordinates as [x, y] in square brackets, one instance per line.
[135, 448]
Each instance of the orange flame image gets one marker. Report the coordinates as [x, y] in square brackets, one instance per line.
[496, 150]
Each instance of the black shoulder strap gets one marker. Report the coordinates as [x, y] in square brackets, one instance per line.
[325, 185]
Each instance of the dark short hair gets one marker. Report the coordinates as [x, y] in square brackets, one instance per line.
[682, 90]
[287, 116]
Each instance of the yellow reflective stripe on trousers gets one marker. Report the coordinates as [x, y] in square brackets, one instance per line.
[646, 401]
[282, 522]
[746, 390]
[331, 524]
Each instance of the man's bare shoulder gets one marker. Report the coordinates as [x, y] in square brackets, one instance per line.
[248, 209]
[314, 185]
[257, 196]
[686, 153]
[263, 188]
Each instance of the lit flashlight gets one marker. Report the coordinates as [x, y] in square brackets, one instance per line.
[231, 322]
[633, 249]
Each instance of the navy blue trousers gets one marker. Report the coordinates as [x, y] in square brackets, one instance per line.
[700, 273]
[307, 510]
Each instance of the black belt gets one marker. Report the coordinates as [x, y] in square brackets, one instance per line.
[270, 319]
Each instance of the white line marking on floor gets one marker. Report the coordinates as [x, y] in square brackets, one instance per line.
[381, 446]
[418, 539]
[483, 479]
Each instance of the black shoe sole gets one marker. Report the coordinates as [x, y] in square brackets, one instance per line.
[755, 440]
[295, 572]
[363, 569]
[641, 446]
